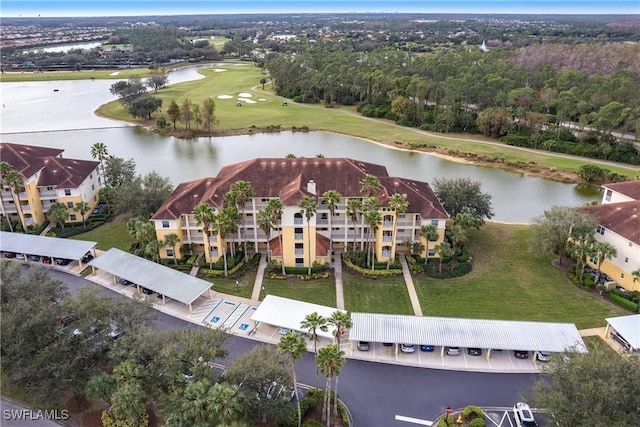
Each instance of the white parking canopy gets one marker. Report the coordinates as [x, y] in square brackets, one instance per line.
[53, 247]
[628, 327]
[289, 313]
[156, 277]
[475, 333]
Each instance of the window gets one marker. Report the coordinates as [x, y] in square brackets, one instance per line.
[600, 230]
[72, 217]
[69, 204]
[607, 196]
[93, 187]
[67, 192]
[165, 224]
[432, 252]
[90, 176]
[170, 252]
[52, 200]
[49, 188]
[626, 259]
[434, 222]
[622, 275]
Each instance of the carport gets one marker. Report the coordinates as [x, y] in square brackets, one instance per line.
[469, 333]
[628, 327]
[52, 247]
[156, 277]
[288, 313]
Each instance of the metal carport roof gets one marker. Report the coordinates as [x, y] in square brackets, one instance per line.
[288, 313]
[480, 333]
[163, 280]
[53, 247]
[628, 327]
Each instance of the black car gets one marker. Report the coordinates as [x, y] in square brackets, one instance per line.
[475, 352]
[521, 354]
[147, 291]
[35, 258]
[62, 261]
[87, 257]
[124, 282]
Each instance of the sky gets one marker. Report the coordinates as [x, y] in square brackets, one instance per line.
[65, 8]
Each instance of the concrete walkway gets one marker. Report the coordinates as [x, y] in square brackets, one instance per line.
[257, 285]
[415, 302]
[337, 272]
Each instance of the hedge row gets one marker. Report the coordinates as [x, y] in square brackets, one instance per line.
[372, 273]
[624, 303]
[459, 270]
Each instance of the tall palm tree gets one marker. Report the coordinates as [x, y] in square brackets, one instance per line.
[443, 249]
[82, 208]
[276, 209]
[372, 219]
[331, 198]
[293, 344]
[265, 224]
[370, 185]
[399, 204]
[330, 361]
[312, 323]
[582, 249]
[15, 181]
[457, 237]
[602, 251]
[354, 208]
[226, 402]
[172, 240]
[430, 233]
[241, 194]
[99, 151]
[5, 167]
[341, 321]
[128, 401]
[204, 216]
[223, 226]
[307, 207]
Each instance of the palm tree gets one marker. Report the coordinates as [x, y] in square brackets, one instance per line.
[307, 207]
[58, 214]
[172, 240]
[354, 208]
[399, 204]
[582, 249]
[5, 167]
[312, 323]
[226, 402]
[204, 216]
[241, 194]
[330, 361]
[15, 181]
[128, 401]
[82, 208]
[276, 209]
[443, 249]
[370, 185]
[265, 224]
[293, 344]
[372, 219]
[602, 251]
[636, 277]
[341, 321]
[331, 198]
[457, 237]
[430, 233]
[99, 151]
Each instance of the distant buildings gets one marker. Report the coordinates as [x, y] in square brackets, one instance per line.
[48, 178]
[293, 241]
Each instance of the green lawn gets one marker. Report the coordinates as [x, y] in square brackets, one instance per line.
[113, 234]
[386, 295]
[228, 286]
[509, 283]
[321, 291]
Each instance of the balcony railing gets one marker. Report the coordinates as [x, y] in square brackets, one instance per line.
[48, 194]
[299, 251]
[405, 223]
[387, 238]
[387, 224]
[298, 221]
[298, 236]
[386, 253]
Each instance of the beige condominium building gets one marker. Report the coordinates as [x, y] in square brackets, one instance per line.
[294, 241]
[619, 224]
[47, 178]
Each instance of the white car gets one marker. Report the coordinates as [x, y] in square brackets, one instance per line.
[407, 348]
[523, 415]
[543, 356]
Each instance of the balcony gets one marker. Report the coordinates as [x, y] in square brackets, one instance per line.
[298, 236]
[405, 223]
[322, 221]
[298, 221]
[48, 194]
[299, 251]
[387, 224]
[387, 239]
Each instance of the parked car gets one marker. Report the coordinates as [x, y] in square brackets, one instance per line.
[284, 331]
[86, 257]
[123, 281]
[20, 257]
[425, 347]
[543, 356]
[363, 345]
[474, 351]
[407, 348]
[35, 258]
[63, 261]
[523, 415]
[453, 351]
[387, 344]
[147, 291]
[9, 255]
[620, 340]
[66, 318]
[116, 332]
[45, 260]
[521, 354]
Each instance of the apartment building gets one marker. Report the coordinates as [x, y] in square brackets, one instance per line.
[48, 178]
[619, 224]
[293, 241]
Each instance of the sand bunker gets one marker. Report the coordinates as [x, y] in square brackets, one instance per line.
[115, 73]
[261, 99]
[224, 96]
[245, 95]
[248, 101]
[218, 70]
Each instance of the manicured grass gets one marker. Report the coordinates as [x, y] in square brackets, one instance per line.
[509, 283]
[32, 76]
[113, 234]
[228, 286]
[386, 295]
[321, 291]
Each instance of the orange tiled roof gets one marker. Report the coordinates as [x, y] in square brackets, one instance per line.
[621, 218]
[26, 159]
[628, 188]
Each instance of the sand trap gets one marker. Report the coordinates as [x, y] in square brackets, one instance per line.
[218, 70]
[224, 96]
[248, 101]
[245, 95]
[261, 99]
[115, 73]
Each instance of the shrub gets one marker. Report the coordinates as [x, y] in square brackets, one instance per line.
[459, 270]
[588, 282]
[472, 410]
[313, 423]
[624, 303]
[478, 422]
[447, 420]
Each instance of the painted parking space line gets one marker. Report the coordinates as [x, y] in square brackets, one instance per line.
[414, 420]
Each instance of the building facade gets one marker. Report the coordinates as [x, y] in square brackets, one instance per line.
[619, 224]
[294, 241]
[47, 178]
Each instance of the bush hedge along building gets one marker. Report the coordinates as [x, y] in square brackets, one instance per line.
[293, 240]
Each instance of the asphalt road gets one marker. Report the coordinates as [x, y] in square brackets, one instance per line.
[376, 392]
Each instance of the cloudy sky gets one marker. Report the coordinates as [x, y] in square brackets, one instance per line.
[48, 8]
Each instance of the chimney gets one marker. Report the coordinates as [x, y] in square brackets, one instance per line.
[311, 187]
